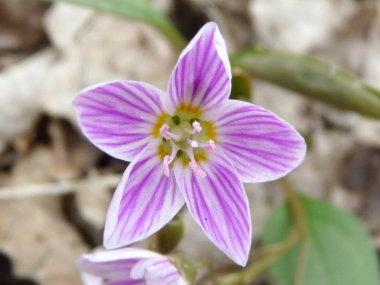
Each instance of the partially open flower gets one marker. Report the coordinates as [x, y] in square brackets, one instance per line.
[190, 145]
[128, 266]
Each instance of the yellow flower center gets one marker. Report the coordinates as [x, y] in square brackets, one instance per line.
[185, 136]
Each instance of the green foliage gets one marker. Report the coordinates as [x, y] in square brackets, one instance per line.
[140, 10]
[340, 250]
[312, 78]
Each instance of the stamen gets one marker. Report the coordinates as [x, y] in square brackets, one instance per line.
[183, 142]
[175, 149]
[210, 145]
[164, 131]
[196, 169]
[169, 159]
[193, 164]
[196, 128]
[192, 143]
[165, 163]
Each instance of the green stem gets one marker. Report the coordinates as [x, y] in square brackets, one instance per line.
[296, 207]
[274, 249]
[210, 270]
[301, 262]
[270, 255]
[300, 220]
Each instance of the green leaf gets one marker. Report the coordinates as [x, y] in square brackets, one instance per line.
[340, 249]
[140, 10]
[312, 78]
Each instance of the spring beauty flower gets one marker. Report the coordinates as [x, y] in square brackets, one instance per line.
[191, 144]
[128, 266]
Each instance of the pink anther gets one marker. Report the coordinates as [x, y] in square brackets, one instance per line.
[169, 159]
[210, 145]
[197, 127]
[193, 165]
[165, 163]
[164, 131]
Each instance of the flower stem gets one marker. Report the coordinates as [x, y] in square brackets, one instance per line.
[210, 276]
[301, 225]
[270, 254]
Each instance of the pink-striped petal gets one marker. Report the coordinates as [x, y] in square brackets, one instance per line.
[114, 265]
[157, 271]
[128, 266]
[261, 146]
[202, 76]
[118, 117]
[126, 282]
[218, 203]
[145, 200]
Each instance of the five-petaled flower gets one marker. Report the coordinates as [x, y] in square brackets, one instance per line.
[132, 266]
[190, 145]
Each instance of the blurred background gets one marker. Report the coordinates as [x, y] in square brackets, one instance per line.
[55, 186]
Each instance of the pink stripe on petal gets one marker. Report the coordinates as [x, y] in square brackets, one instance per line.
[127, 282]
[202, 76]
[218, 203]
[126, 266]
[158, 271]
[144, 201]
[118, 117]
[113, 265]
[261, 146]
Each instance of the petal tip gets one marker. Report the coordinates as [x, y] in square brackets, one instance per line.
[268, 149]
[205, 54]
[240, 259]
